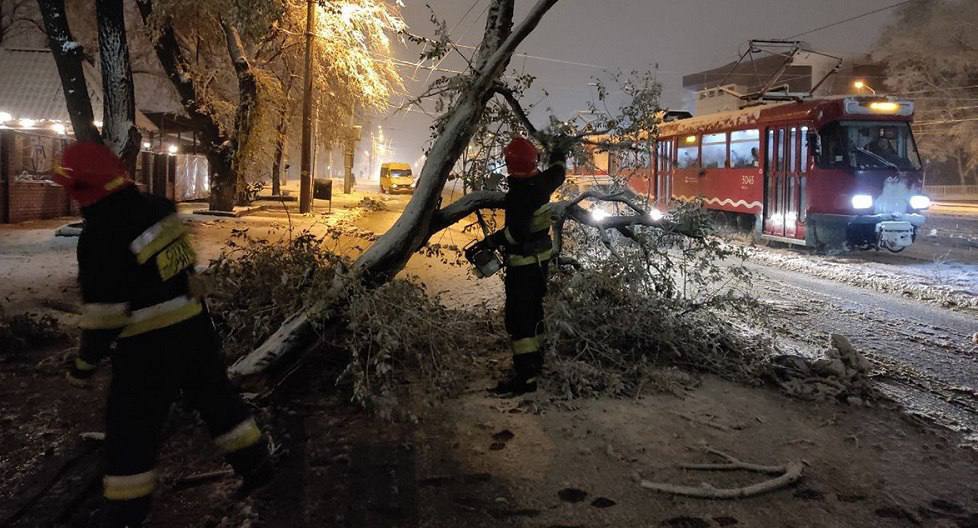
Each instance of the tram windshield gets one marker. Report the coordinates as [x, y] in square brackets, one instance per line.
[869, 145]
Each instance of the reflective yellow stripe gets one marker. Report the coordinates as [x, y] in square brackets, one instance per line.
[157, 237]
[527, 345]
[102, 316]
[83, 365]
[245, 434]
[125, 487]
[163, 318]
[541, 219]
[115, 184]
[526, 260]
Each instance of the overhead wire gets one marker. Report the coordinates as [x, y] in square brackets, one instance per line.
[849, 19]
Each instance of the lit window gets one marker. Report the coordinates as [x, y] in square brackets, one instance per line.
[744, 148]
[715, 151]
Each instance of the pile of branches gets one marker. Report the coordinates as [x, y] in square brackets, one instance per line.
[385, 335]
[634, 308]
[23, 332]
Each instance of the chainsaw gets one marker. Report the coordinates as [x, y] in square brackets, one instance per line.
[482, 254]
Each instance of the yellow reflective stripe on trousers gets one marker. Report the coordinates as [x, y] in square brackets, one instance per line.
[527, 345]
[162, 315]
[103, 316]
[541, 219]
[245, 434]
[126, 487]
[157, 237]
[83, 365]
[526, 260]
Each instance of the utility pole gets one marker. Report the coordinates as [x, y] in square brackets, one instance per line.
[305, 178]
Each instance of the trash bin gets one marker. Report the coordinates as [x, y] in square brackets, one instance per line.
[323, 189]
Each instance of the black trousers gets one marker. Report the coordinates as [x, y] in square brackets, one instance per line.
[149, 372]
[526, 286]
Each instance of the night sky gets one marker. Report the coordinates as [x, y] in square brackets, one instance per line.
[681, 36]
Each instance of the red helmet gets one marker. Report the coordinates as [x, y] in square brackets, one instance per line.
[521, 158]
[90, 172]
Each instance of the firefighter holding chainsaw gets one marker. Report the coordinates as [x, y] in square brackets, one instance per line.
[135, 267]
[528, 247]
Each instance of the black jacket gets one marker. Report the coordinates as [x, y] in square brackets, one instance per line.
[133, 253]
[525, 197]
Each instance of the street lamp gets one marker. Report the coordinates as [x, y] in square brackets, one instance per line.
[861, 85]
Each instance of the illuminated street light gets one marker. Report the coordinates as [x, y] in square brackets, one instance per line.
[172, 150]
[4, 116]
[861, 85]
[58, 129]
[27, 123]
[147, 145]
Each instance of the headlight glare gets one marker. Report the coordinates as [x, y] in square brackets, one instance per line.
[919, 201]
[862, 201]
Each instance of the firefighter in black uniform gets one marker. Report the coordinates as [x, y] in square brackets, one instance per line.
[526, 239]
[135, 267]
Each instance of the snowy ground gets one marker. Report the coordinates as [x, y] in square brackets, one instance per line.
[482, 462]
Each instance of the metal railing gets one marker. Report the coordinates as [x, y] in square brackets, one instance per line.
[952, 192]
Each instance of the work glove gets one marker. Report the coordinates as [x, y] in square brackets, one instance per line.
[560, 146]
[79, 373]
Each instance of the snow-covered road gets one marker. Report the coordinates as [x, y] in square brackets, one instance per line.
[926, 352]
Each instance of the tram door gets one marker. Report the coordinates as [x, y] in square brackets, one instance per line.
[781, 181]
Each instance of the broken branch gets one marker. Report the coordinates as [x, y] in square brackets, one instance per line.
[788, 474]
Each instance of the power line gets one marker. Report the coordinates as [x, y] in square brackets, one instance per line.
[850, 19]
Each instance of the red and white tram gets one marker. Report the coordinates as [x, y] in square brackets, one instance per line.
[815, 172]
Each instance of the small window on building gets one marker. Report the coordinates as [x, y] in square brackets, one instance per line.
[687, 155]
[744, 147]
[715, 151]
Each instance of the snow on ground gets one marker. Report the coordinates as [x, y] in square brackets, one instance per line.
[947, 283]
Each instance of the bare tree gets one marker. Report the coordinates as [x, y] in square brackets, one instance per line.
[119, 110]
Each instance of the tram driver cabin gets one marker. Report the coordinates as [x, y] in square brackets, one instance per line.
[819, 172]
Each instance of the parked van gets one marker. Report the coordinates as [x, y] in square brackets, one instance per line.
[396, 177]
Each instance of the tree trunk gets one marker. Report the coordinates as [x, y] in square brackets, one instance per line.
[385, 258]
[216, 143]
[281, 141]
[244, 118]
[68, 56]
[119, 110]
[280, 144]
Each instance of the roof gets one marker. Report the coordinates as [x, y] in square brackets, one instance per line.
[817, 109]
[30, 87]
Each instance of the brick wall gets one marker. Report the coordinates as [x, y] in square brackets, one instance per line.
[36, 200]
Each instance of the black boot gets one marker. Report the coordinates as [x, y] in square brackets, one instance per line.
[523, 378]
[255, 465]
[124, 513]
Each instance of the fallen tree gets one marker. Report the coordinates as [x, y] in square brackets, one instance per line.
[476, 117]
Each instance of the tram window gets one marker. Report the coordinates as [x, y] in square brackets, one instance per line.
[770, 150]
[803, 168]
[744, 146]
[792, 165]
[715, 151]
[833, 139]
[688, 153]
[781, 164]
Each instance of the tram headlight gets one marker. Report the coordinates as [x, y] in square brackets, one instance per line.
[862, 201]
[919, 201]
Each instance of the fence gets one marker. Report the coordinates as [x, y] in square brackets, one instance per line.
[952, 192]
